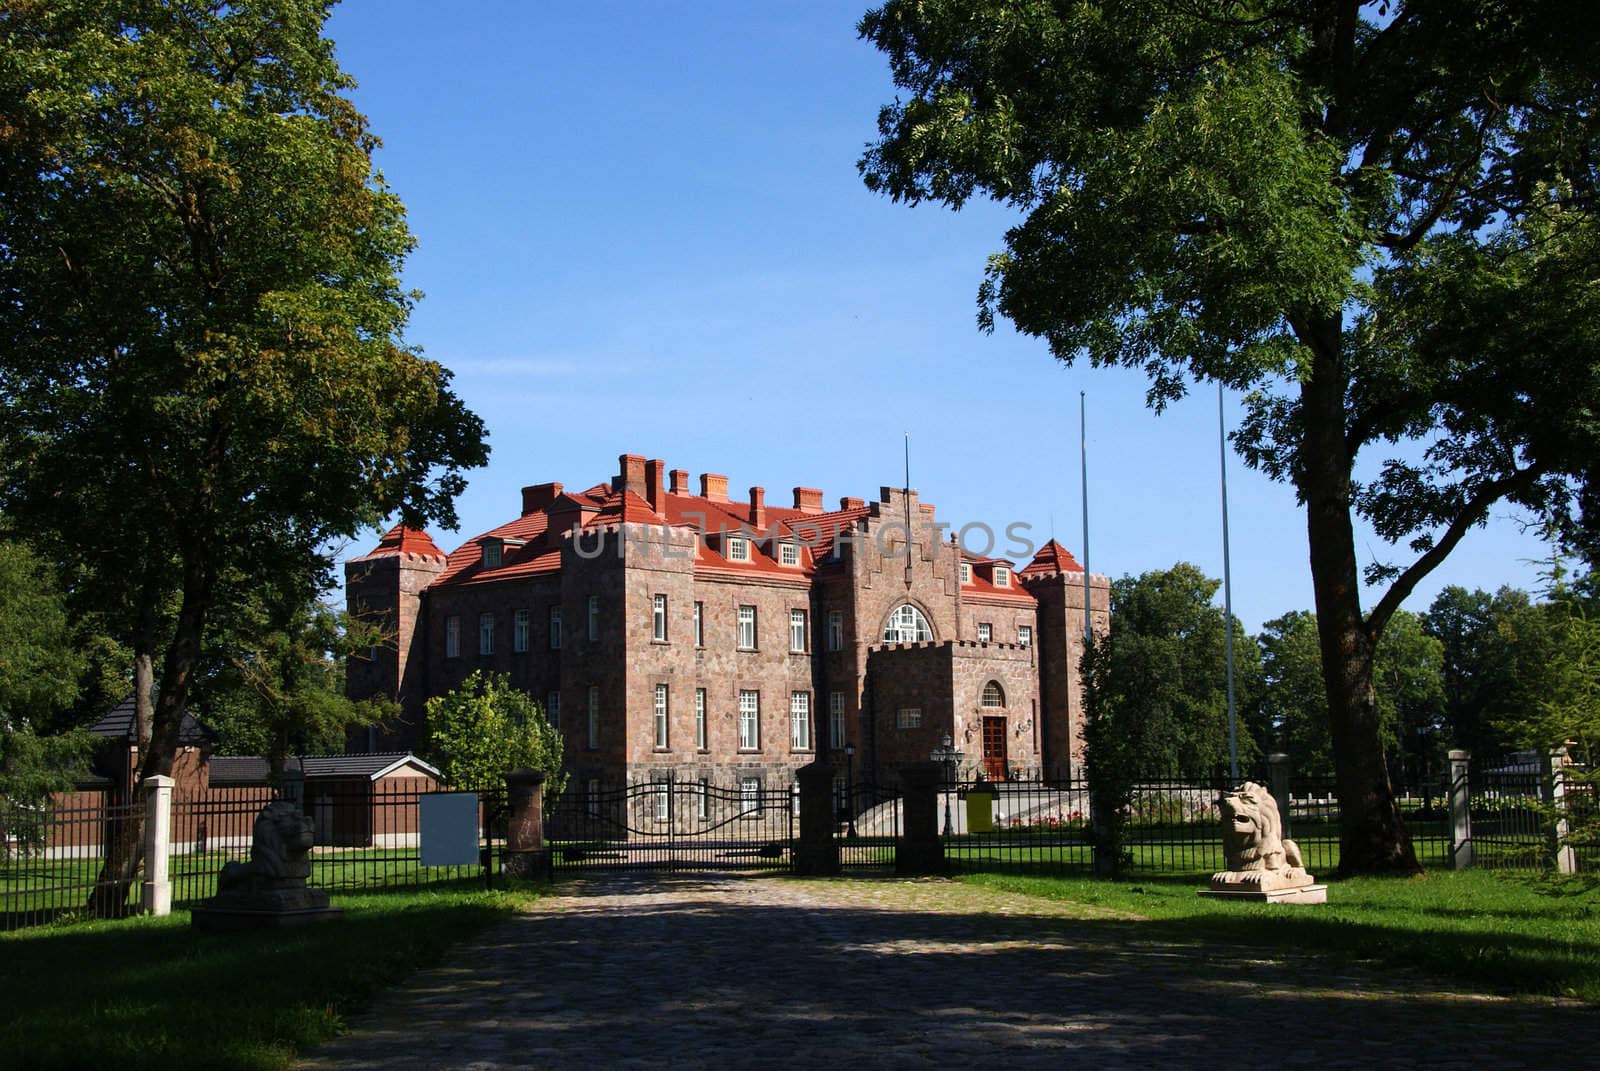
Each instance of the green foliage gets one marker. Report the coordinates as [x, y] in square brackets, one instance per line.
[1379, 220]
[39, 667]
[204, 369]
[487, 728]
[31, 768]
[1491, 643]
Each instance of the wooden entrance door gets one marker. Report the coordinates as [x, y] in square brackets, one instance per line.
[994, 748]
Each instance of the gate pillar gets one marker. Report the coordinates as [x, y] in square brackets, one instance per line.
[920, 850]
[818, 852]
[526, 856]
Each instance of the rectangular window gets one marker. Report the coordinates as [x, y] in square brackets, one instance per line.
[486, 634]
[552, 709]
[908, 718]
[663, 800]
[750, 795]
[1025, 635]
[800, 721]
[788, 554]
[658, 628]
[703, 802]
[836, 726]
[519, 632]
[452, 637]
[966, 573]
[985, 632]
[749, 721]
[738, 549]
[797, 630]
[594, 617]
[699, 624]
[835, 630]
[700, 718]
[1002, 577]
[594, 716]
[661, 717]
[491, 555]
[555, 628]
[747, 628]
[592, 794]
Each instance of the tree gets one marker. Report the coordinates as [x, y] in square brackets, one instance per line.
[201, 344]
[484, 729]
[1378, 219]
[1492, 645]
[39, 666]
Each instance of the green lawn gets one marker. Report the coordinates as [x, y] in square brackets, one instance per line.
[1515, 932]
[151, 993]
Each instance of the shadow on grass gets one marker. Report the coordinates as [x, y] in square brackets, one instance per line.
[152, 993]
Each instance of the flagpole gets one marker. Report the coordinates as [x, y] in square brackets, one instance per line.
[1227, 593]
[1083, 453]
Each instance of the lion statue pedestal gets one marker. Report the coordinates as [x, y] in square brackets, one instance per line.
[1262, 866]
[270, 890]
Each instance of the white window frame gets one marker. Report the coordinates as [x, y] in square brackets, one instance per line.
[1024, 635]
[738, 549]
[492, 556]
[661, 720]
[904, 619]
[747, 628]
[800, 721]
[555, 628]
[837, 737]
[749, 720]
[797, 632]
[835, 630]
[908, 718]
[663, 800]
[519, 631]
[594, 716]
[1000, 693]
[592, 797]
[985, 632]
[703, 803]
[1002, 576]
[658, 619]
[966, 573]
[485, 634]
[699, 624]
[788, 554]
[594, 617]
[452, 636]
[700, 719]
[552, 709]
[749, 795]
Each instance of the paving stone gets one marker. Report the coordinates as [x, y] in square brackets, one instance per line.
[735, 972]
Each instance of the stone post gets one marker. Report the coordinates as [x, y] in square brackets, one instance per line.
[1555, 780]
[1460, 812]
[1278, 782]
[818, 852]
[526, 856]
[155, 895]
[920, 850]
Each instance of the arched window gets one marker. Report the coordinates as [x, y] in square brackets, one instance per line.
[907, 625]
[993, 695]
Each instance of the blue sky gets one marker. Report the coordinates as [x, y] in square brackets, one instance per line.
[641, 230]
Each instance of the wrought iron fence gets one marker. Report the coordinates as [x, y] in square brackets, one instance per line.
[52, 857]
[673, 824]
[868, 825]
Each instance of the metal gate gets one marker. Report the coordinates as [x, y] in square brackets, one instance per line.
[674, 824]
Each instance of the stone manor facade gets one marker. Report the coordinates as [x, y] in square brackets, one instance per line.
[670, 630]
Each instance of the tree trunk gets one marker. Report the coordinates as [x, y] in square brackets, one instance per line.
[124, 841]
[1372, 837]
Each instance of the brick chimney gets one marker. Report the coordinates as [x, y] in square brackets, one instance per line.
[852, 503]
[713, 487]
[680, 482]
[758, 508]
[808, 499]
[655, 478]
[539, 496]
[630, 476]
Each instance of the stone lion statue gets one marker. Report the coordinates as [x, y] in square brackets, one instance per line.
[1252, 831]
[280, 846]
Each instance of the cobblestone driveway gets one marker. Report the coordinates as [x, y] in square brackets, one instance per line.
[754, 973]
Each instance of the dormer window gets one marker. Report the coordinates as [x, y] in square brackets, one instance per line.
[1002, 576]
[966, 573]
[492, 554]
[788, 554]
[738, 549]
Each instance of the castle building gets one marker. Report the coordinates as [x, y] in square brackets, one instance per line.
[671, 631]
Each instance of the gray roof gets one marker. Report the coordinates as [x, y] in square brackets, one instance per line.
[118, 723]
[252, 769]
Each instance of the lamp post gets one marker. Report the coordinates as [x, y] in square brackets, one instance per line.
[950, 758]
[850, 787]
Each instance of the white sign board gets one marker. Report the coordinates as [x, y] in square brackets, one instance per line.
[449, 828]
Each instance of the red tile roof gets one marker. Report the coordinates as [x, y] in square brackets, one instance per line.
[403, 540]
[1052, 558]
